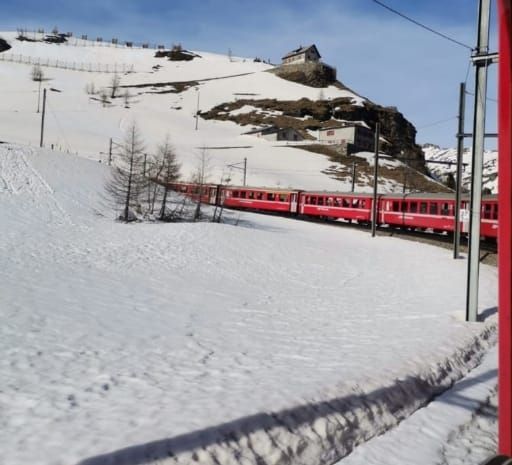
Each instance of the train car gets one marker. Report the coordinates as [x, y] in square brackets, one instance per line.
[208, 193]
[336, 205]
[435, 211]
[261, 199]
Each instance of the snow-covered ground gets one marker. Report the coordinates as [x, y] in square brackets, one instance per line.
[77, 122]
[262, 340]
[490, 168]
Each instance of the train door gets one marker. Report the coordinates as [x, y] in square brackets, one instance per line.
[464, 217]
[293, 202]
[212, 198]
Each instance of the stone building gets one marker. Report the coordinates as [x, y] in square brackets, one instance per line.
[274, 133]
[354, 137]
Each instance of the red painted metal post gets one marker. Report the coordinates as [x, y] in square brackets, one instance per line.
[505, 230]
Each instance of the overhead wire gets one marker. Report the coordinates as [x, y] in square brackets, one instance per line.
[417, 23]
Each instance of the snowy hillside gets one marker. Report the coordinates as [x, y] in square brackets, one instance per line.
[255, 343]
[490, 173]
[162, 97]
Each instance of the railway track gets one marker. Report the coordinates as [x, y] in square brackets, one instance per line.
[488, 249]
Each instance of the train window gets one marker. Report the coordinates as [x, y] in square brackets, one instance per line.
[433, 208]
[251, 195]
[259, 195]
[243, 194]
[282, 197]
[403, 206]
[423, 207]
[396, 206]
[445, 208]
[487, 207]
[330, 202]
[413, 207]
[337, 202]
[362, 203]
[270, 196]
[355, 203]
[345, 203]
[235, 194]
[320, 200]
[313, 200]
[495, 214]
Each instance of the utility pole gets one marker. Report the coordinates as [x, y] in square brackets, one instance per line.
[144, 166]
[39, 95]
[245, 170]
[197, 109]
[110, 152]
[458, 178]
[42, 118]
[481, 62]
[353, 176]
[375, 179]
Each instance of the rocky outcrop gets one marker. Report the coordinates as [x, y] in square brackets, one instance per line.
[305, 114]
[313, 74]
[4, 45]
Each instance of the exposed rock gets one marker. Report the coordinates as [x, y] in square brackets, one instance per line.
[4, 45]
[177, 55]
[313, 74]
[305, 114]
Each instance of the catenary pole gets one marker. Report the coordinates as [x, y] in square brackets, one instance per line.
[110, 152]
[477, 159]
[375, 179]
[458, 178]
[353, 176]
[42, 118]
[245, 170]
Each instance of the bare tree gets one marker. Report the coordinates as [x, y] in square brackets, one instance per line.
[127, 181]
[115, 82]
[169, 172]
[201, 176]
[37, 75]
[104, 98]
[127, 97]
[90, 88]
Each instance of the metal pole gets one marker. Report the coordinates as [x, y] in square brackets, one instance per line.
[42, 118]
[458, 178]
[144, 167]
[375, 179]
[245, 170]
[477, 162]
[197, 109]
[110, 152]
[404, 183]
[39, 95]
[353, 176]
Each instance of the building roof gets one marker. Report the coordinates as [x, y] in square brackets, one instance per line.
[262, 129]
[340, 126]
[301, 50]
[269, 130]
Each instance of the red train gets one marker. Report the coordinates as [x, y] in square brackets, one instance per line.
[414, 211]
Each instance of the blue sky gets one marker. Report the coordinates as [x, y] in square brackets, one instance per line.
[378, 54]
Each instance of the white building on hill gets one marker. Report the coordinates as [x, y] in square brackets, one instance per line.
[276, 134]
[353, 136]
[302, 55]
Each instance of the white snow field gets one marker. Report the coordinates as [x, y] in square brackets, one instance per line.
[273, 341]
[78, 123]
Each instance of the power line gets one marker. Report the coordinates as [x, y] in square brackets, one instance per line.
[435, 123]
[440, 34]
